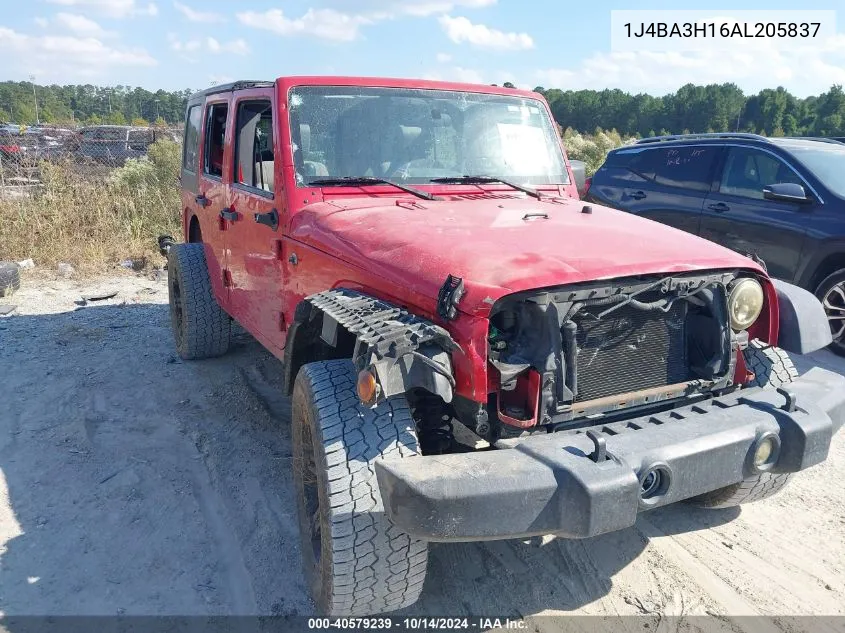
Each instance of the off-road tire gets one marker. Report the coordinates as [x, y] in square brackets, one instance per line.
[201, 328]
[356, 562]
[828, 283]
[772, 368]
[10, 278]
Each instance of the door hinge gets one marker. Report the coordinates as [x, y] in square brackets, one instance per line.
[278, 249]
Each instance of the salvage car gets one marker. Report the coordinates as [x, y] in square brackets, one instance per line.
[780, 200]
[471, 352]
[114, 144]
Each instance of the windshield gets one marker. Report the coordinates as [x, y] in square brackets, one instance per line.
[415, 136]
[826, 161]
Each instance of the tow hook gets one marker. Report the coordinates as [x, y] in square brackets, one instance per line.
[600, 453]
[789, 405]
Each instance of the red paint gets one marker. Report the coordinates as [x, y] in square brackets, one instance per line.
[400, 248]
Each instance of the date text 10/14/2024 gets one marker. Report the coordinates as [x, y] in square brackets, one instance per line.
[418, 623]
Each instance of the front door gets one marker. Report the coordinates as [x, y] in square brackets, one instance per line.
[737, 216]
[254, 240]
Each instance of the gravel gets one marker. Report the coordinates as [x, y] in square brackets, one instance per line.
[134, 483]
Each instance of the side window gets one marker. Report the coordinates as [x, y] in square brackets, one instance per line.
[254, 145]
[748, 170]
[685, 167]
[190, 153]
[215, 138]
[638, 166]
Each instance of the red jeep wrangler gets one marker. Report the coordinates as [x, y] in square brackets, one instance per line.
[473, 353]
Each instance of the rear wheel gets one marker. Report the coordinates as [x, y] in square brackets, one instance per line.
[356, 562]
[831, 292]
[10, 278]
[772, 367]
[201, 328]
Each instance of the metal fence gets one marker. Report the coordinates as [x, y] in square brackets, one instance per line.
[90, 151]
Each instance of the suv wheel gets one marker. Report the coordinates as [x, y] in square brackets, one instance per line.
[831, 292]
[772, 368]
[356, 562]
[200, 327]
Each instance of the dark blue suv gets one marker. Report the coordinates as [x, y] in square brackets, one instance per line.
[779, 200]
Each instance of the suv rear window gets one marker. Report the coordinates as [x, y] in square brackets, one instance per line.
[192, 139]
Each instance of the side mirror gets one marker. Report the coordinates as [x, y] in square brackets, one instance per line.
[786, 192]
[580, 174]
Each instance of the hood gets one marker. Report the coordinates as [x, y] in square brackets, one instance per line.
[499, 245]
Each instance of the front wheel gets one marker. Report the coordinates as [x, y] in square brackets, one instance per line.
[356, 562]
[772, 367]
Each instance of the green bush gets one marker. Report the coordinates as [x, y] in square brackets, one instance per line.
[592, 148]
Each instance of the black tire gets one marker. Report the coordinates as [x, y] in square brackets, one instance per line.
[772, 367]
[10, 278]
[201, 328]
[831, 292]
[356, 562]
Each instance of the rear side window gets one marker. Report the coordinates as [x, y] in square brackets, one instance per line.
[192, 139]
[682, 167]
[254, 145]
[215, 138]
[639, 166]
[686, 167]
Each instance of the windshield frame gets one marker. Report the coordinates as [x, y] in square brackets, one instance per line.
[548, 126]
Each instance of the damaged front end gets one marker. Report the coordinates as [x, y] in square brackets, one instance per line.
[606, 348]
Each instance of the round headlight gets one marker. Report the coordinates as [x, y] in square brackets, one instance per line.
[745, 303]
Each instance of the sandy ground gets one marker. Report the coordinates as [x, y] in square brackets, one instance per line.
[134, 483]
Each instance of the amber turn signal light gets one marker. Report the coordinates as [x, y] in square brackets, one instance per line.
[367, 387]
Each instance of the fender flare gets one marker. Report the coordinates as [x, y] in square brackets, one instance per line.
[402, 350]
[803, 326]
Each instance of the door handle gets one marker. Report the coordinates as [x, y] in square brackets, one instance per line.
[719, 207]
[271, 219]
[229, 214]
[202, 201]
[636, 195]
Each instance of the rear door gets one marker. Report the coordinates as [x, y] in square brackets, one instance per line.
[737, 216]
[212, 193]
[664, 183]
[254, 239]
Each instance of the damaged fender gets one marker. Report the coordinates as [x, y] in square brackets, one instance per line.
[402, 350]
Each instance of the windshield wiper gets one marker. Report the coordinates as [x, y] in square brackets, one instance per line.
[481, 180]
[353, 181]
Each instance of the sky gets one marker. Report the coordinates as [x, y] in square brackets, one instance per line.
[550, 43]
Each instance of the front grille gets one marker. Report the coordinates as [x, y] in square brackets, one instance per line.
[630, 349]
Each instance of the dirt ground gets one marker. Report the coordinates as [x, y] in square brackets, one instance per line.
[134, 483]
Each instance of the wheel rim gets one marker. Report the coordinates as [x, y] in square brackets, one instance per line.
[310, 493]
[834, 307]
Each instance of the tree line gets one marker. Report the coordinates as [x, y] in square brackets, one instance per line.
[711, 108]
[89, 104]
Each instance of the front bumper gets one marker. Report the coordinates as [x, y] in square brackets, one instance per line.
[548, 484]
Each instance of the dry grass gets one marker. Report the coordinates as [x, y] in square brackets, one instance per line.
[94, 220]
